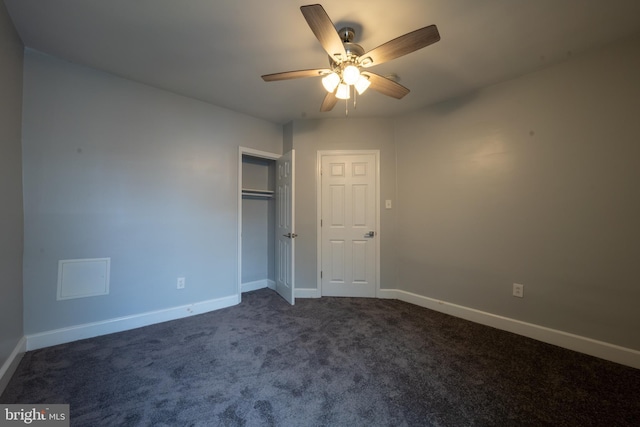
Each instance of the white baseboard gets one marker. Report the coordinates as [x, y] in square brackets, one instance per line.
[90, 330]
[258, 284]
[11, 364]
[307, 293]
[603, 350]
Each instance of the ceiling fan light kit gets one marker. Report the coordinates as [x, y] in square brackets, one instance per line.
[331, 82]
[362, 84]
[348, 60]
[343, 91]
[350, 74]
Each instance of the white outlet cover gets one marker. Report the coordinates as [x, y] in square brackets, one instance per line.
[518, 290]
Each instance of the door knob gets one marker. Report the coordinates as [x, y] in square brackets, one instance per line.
[370, 234]
[290, 235]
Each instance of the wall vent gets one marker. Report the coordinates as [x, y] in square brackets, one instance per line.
[80, 278]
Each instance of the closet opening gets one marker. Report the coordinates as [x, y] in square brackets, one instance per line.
[258, 223]
[266, 225]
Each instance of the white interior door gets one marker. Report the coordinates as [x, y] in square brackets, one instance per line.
[285, 226]
[348, 225]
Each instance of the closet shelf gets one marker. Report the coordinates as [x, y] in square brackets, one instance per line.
[250, 192]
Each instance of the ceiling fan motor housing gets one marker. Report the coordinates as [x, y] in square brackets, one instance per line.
[353, 50]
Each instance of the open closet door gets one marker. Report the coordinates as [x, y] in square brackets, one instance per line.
[285, 226]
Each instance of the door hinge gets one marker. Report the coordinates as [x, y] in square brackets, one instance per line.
[321, 274]
[320, 223]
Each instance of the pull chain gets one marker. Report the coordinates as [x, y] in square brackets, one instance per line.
[355, 98]
[355, 101]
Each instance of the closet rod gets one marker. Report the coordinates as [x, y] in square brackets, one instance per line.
[268, 194]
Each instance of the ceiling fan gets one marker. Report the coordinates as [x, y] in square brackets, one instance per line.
[349, 62]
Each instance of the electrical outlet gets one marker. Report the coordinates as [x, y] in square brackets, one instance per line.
[518, 290]
[181, 282]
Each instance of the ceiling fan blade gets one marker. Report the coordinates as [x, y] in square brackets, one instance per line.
[329, 102]
[401, 46]
[324, 30]
[287, 75]
[386, 86]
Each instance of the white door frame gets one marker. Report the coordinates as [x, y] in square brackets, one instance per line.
[378, 238]
[254, 153]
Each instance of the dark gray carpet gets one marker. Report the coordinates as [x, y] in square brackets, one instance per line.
[326, 362]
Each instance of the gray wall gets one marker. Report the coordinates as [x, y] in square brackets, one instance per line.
[533, 181]
[309, 136]
[118, 169]
[11, 62]
[287, 137]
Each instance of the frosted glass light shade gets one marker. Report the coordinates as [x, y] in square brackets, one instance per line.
[362, 84]
[330, 82]
[343, 91]
[350, 74]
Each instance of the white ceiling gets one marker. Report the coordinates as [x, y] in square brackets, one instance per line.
[216, 50]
